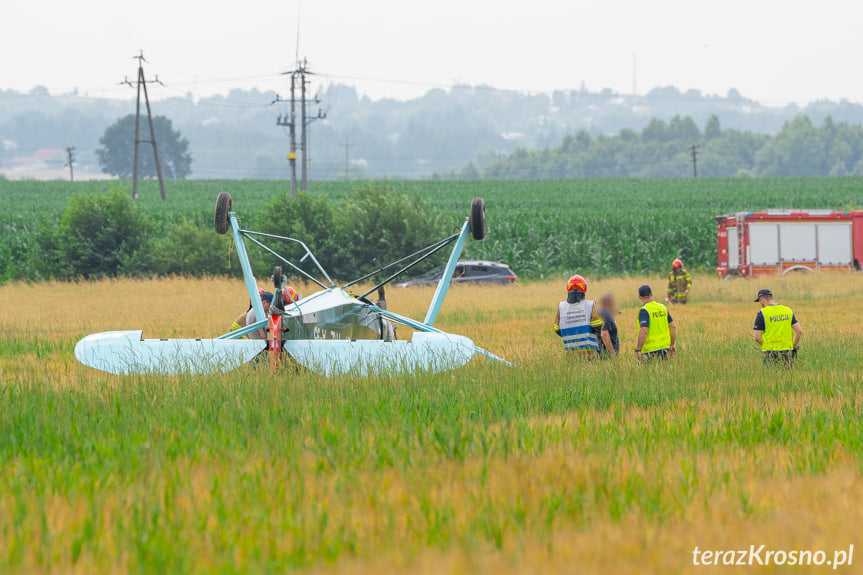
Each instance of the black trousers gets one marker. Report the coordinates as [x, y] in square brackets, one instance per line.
[659, 354]
[784, 358]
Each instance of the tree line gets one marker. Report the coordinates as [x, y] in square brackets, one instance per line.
[665, 150]
[471, 127]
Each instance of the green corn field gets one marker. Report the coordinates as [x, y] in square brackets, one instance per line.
[540, 228]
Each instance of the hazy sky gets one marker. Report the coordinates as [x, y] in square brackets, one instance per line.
[776, 51]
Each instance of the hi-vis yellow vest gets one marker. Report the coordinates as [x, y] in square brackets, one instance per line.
[658, 334]
[778, 335]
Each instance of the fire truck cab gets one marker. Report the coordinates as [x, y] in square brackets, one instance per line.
[779, 241]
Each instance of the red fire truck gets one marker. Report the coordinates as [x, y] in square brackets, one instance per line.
[779, 241]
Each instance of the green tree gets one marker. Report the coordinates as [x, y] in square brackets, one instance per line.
[469, 172]
[376, 220]
[796, 150]
[654, 131]
[683, 129]
[98, 235]
[307, 218]
[712, 129]
[379, 221]
[117, 151]
[189, 249]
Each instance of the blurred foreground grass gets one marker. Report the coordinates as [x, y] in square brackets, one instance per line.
[554, 466]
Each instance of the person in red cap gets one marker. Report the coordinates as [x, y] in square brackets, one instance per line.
[578, 319]
[679, 283]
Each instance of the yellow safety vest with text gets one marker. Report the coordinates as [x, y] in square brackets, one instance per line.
[658, 334]
[778, 334]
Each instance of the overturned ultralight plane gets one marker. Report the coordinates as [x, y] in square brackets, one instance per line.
[330, 332]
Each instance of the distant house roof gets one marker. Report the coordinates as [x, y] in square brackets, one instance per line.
[40, 156]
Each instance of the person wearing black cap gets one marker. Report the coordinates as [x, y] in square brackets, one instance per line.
[776, 330]
[266, 300]
[657, 332]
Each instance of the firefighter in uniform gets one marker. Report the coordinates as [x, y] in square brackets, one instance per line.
[578, 320]
[679, 283]
[657, 332]
[776, 330]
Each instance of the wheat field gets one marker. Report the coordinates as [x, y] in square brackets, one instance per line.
[556, 465]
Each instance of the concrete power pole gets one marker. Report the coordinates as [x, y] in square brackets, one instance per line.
[694, 151]
[298, 81]
[141, 85]
[304, 144]
[306, 120]
[292, 155]
[347, 147]
[70, 159]
[290, 121]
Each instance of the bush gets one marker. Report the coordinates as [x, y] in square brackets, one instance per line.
[98, 235]
[375, 221]
[382, 222]
[189, 249]
[307, 218]
[107, 235]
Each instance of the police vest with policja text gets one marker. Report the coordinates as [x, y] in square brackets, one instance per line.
[778, 334]
[658, 334]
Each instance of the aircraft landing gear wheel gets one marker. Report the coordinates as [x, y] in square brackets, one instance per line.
[277, 277]
[223, 206]
[477, 218]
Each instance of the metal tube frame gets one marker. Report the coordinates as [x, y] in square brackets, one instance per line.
[443, 284]
[440, 246]
[244, 330]
[248, 277]
[397, 262]
[425, 326]
[249, 233]
[282, 259]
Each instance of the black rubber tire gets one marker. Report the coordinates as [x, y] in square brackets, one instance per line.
[278, 305]
[223, 206]
[277, 277]
[477, 218]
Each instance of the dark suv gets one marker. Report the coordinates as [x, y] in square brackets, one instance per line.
[471, 271]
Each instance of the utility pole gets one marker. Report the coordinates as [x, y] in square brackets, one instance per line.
[290, 121]
[70, 159]
[298, 83]
[306, 120]
[141, 84]
[292, 156]
[347, 147]
[694, 151]
[304, 142]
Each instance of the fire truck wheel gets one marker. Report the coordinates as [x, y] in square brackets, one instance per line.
[798, 269]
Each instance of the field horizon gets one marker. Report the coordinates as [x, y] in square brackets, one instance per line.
[542, 228]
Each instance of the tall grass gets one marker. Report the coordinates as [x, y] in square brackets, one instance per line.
[556, 465]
